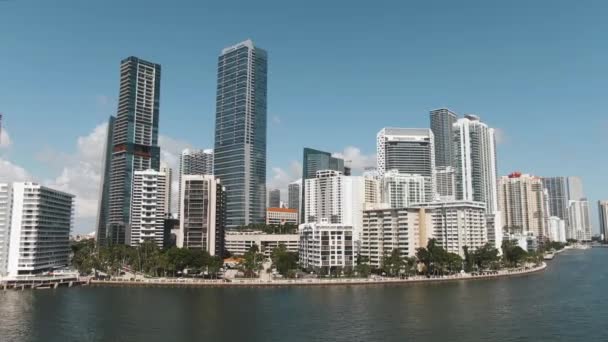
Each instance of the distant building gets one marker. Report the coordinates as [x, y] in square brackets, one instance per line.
[240, 131]
[239, 242]
[40, 224]
[409, 151]
[557, 188]
[148, 207]
[326, 246]
[194, 162]
[168, 181]
[281, 216]
[603, 213]
[579, 227]
[446, 183]
[274, 198]
[294, 194]
[442, 121]
[522, 204]
[5, 224]
[202, 217]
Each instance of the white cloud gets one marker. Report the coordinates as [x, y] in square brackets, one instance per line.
[10, 172]
[281, 177]
[5, 139]
[356, 160]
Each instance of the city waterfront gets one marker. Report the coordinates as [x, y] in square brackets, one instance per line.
[562, 303]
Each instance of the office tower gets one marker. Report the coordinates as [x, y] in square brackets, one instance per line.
[316, 240]
[168, 196]
[442, 121]
[194, 162]
[134, 143]
[294, 195]
[281, 216]
[240, 132]
[521, 201]
[603, 213]
[274, 198]
[401, 190]
[557, 188]
[5, 217]
[148, 207]
[446, 183]
[475, 162]
[40, 225]
[575, 188]
[104, 191]
[313, 161]
[203, 214]
[556, 229]
[579, 227]
[335, 198]
[410, 151]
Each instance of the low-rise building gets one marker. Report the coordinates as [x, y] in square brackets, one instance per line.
[281, 216]
[326, 246]
[239, 242]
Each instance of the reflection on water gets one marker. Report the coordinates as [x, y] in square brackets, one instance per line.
[564, 303]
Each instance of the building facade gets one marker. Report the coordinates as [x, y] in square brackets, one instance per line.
[239, 242]
[168, 193]
[557, 189]
[104, 186]
[446, 183]
[203, 215]
[401, 190]
[521, 202]
[294, 195]
[326, 247]
[148, 210]
[556, 229]
[579, 227]
[134, 144]
[312, 162]
[409, 151]
[274, 198]
[5, 224]
[442, 121]
[475, 162]
[603, 214]
[281, 216]
[40, 225]
[194, 162]
[240, 132]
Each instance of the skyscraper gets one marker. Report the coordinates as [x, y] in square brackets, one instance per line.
[275, 198]
[148, 207]
[446, 183]
[193, 162]
[475, 162]
[168, 196]
[240, 132]
[410, 151]
[603, 213]
[557, 188]
[134, 144]
[5, 217]
[401, 190]
[313, 161]
[579, 225]
[442, 121]
[104, 191]
[294, 195]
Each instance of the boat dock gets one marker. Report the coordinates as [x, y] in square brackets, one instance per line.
[40, 282]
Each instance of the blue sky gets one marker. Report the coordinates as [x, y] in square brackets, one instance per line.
[339, 71]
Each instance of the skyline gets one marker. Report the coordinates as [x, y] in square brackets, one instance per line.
[67, 156]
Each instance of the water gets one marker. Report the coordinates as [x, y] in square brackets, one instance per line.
[565, 303]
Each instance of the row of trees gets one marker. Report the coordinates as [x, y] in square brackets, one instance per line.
[145, 259]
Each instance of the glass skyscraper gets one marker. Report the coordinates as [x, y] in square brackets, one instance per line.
[240, 132]
[442, 121]
[133, 137]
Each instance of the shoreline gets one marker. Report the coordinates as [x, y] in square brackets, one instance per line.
[191, 283]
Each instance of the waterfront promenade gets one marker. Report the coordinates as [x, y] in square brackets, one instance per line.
[186, 282]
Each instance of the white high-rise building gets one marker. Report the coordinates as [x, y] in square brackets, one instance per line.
[202, 216]
[148, 207]
[579, 225]
[5, 221]
[402, 190]
[324, 246]
[575, 188]
[603, 213]
[194, 162]
[475, 153]
[168, 188]
[39, 228]
[521, 198]
[409, 151]
[335, 198]
[556, 229]
[446, 183]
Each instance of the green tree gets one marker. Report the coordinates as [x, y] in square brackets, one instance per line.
[392, 263]
[252, 261]
[283, 260]
[513, 255]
